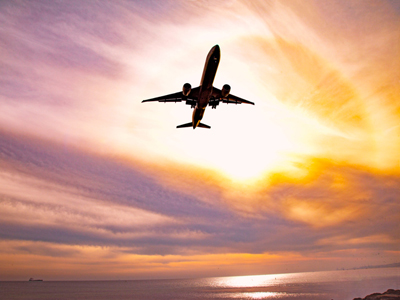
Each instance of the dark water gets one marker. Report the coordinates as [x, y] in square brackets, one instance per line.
[338, 285]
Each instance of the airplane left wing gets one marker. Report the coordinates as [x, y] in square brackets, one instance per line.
[177, 97]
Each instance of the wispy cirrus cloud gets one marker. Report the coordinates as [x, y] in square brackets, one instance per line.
[305, 178]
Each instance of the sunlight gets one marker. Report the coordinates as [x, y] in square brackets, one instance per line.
[244, 281]
[260, 295]
[247, 152]
[247, 143]
[256, 140]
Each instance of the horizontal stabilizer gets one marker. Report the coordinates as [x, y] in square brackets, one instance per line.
[185, 125]
[203, 125]
[191, 125]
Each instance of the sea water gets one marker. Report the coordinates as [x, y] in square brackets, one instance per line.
[337, 285]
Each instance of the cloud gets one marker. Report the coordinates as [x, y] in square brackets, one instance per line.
[65, 202]
[309, 173]
[107, 203]
[45, 187]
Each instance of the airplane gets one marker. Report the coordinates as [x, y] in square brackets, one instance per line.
[205, 94]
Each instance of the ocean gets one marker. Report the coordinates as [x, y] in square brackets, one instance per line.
[337, 285]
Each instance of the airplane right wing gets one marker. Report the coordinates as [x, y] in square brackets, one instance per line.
[217, 97]
[236, 100]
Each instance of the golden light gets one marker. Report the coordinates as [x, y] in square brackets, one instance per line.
[261, 295]
[245, 142]
[244, 281]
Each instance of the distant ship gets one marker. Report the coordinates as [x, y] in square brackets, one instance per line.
[32, 279]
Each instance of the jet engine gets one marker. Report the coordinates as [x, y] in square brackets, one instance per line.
[186, 89]
[225, 90]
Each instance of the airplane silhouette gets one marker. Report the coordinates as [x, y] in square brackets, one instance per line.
[205, 94]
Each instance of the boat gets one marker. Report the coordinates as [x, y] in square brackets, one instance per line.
[32, 279]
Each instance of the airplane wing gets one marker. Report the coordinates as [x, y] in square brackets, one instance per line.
[217, 97]
[236, 100]
[178, 97]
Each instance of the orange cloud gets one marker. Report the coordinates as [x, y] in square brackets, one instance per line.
[103, 182]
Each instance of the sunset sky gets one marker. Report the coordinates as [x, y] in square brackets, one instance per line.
[95, 184]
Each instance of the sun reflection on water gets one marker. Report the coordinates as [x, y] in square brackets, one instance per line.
[248, 281]
[259, 295]
[275, 286]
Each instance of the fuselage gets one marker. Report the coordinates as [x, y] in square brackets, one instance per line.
[206, 84]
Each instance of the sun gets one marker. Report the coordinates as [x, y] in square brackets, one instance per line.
[245, 143]
[247, 148]
[252, 157]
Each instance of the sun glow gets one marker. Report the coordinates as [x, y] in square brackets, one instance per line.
[244, 144]
[248, 163]
[306, 179]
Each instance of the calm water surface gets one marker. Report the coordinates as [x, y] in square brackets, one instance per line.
[337, 285]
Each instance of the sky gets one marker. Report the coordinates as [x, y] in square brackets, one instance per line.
[95, 185]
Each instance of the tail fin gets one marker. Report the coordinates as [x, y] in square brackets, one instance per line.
[191, 125]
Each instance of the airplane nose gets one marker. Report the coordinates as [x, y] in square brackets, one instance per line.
[216, 51]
